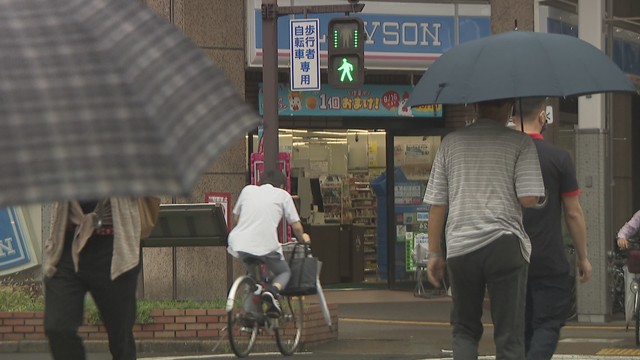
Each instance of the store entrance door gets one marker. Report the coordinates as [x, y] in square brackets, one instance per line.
[411, 162]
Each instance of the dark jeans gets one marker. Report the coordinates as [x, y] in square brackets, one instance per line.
[548, 301]
[115, 299]
[502, 270]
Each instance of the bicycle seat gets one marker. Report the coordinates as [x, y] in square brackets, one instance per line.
[252, 260]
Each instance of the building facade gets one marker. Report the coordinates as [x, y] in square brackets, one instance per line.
[598, 130]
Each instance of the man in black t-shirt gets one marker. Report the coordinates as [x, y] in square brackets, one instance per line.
[549, 280]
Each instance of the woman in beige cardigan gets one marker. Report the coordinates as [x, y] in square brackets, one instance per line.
[83, 256]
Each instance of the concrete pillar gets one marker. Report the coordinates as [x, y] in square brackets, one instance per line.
[200, 273]
[592, 165]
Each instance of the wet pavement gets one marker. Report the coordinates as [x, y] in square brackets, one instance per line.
[388, 324]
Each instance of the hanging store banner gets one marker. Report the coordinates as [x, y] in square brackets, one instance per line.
[16, 247]
[400, 35]
[370, 101]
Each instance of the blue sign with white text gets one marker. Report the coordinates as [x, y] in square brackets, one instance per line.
[397, 33]
[13, 244]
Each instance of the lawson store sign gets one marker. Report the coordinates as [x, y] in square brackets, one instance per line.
[400, 36]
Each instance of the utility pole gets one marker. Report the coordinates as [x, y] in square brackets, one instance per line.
[270, 13]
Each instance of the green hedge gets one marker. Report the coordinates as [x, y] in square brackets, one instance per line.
[21, 298]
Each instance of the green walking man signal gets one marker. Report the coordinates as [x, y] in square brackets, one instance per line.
[345, 66]
[347, 69]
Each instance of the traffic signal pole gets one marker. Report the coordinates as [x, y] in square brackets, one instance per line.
[270, 13]
[270, 83]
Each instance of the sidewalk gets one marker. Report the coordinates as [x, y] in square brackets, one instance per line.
[392, 324]
[397, 322]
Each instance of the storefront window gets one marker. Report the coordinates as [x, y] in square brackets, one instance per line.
[331, 173]
[413, 158]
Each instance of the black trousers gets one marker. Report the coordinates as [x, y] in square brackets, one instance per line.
[548, 300]
[501, 269]
[115, 299]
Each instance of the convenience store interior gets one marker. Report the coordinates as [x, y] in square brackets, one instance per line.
[338, 181]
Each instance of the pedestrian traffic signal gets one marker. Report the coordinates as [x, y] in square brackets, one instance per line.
[345, 64]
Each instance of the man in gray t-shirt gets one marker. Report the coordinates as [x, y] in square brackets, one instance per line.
[481, 178]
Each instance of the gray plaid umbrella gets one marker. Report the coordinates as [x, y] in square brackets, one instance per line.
[103, 97]
[518, 64]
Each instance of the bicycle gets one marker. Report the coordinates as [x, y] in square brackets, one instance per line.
[246, 314]
[631, 257]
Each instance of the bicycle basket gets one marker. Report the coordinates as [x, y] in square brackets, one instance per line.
[304, 270]
[633, 261]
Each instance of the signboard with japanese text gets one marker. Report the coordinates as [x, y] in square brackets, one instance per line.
[399, 35]
[224, 199]
[369, 101]
[304, 55]
[16, 248]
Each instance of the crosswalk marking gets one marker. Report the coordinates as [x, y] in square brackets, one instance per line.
[613, 351]
[589, 340]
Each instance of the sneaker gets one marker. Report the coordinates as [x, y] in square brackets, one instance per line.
[274, 310]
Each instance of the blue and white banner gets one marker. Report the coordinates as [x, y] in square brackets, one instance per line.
[16, 247]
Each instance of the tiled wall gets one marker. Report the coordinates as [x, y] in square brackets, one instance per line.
[217, 27]
[592, 174]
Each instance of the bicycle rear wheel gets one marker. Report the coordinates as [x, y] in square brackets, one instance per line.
[637, 316]
[289, 329]
[242, 324]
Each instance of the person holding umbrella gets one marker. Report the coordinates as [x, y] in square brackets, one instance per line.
[481, 178]
[549, 281]
[94, 247]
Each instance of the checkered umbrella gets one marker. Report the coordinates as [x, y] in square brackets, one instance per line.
[104, 98]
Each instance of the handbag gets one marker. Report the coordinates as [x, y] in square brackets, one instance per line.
[304, 270]
[633, 261]
[149, 209]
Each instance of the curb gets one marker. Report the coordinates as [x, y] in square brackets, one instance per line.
[144, 347]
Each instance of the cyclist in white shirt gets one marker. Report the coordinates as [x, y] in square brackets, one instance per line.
[257, 213]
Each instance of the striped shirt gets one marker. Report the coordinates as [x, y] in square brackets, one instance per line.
[479, 173]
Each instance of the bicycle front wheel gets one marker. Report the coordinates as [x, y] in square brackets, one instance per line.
[289, 329]
[242, 324]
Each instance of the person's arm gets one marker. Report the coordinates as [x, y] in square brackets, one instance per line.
[298, 231]
[528, 180]
[629, 229]
[435, 263]
[574, 218]
[528, 201]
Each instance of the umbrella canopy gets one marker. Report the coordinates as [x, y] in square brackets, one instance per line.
[104, 98]
[518, 64]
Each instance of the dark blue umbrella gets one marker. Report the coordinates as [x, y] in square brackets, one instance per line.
[518, 64]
